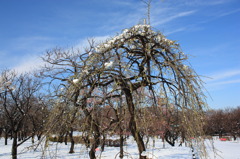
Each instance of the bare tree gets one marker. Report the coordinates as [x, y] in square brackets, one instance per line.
[17, 101]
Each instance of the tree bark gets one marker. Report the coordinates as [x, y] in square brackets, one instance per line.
[103, 143]
[66, 138]
[121, 144]
[32, 139]
[132, 123]
[96, 141]
[14, 146]
[6, 138]
[39, 137]
[72, 141]
[92, 153]
[95, 130]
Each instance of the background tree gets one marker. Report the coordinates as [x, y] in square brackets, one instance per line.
[223, 122]
[18, 98]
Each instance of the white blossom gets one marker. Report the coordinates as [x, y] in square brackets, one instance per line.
[12, 88]
[115, 38]
[125, 31]
[97, 49]
[137, 27]
[127, 35]
[111, 42]
[106, 46]
[133, 47]
[75, 80]
[143, 30]
[185, 67]
[108, 64]
[158, 38]
[8, 83]
[145, 69]
[142, 33]
[85, 71]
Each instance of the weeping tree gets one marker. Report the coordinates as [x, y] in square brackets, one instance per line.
[142, 58]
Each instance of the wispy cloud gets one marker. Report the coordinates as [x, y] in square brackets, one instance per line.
[22, 54]
[33, 44]
[225, 82]
[173, 17]
[223, 79]
[205, 2]
[175, 31]
[33, 62]
[29, 63]
[229, 13]
[224, 75]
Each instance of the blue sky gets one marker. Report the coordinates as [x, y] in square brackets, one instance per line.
[207, 30]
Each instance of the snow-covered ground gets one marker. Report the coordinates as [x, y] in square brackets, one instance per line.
[226, 149]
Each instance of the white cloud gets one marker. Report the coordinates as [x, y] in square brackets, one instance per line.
[224, 75]
[205, 2]
[29, 63]
[228, 13]
[32, 62]
[222, 80]
[23, 53]
[175, 31]
[173, 17]
[226, 82]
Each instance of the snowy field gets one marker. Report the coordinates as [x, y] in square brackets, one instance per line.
[227, 150]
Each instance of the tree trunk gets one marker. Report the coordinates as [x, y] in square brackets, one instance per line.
[72, 141]
[96, 141]
[19, 136]
[163, 141]
[121, 143]
[147, 142]
[170, 138]
[132, 123]
[220, 134]
[14, 146]
[11, 135]
[66, 138]
[60, 138]
[92, 153]
[234, 137]
[95, 130]
[32, 139]
[6, 138]
[103, 143]
[39, 137]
